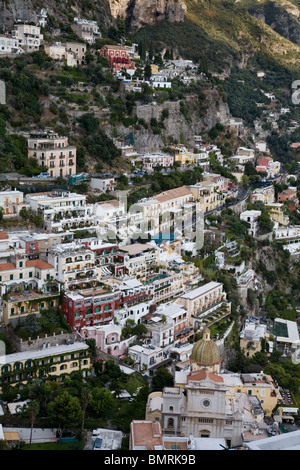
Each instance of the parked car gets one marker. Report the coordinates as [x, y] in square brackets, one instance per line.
[43, 175]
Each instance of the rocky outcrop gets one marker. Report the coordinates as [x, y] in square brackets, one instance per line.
[12, 11]
[282, 18]
[140, 13]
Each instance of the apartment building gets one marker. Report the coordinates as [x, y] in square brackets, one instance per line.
[203, 300]
[54, 362]
[12, 202]
[62, 210]
[269, 166]
[103, 184]
[89, 307]
[20, 271]
[52, 152]
[138, 259]
[29, 37]
[88, 30]
[74, 265]
[160, 330]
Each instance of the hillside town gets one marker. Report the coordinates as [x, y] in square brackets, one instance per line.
[155, 310]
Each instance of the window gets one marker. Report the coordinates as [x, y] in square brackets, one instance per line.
[11, 277]
[170, 423]
[30, 274]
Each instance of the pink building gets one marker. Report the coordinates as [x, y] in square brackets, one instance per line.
[108, 338]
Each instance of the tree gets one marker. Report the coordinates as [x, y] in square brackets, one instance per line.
[85, 399]
[162, 378]
[31, 409]
[103, 403]
[66, 411]
[147, 71]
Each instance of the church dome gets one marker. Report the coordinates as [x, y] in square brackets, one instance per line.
[205, 352]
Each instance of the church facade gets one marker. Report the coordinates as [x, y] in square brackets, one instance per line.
[201, 407]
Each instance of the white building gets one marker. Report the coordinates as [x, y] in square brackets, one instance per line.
[8, 45]
[146, 356]
[88, 30]
[29, 37]
[103, 184]
[251, 217]
[62, 210]
[12, 202]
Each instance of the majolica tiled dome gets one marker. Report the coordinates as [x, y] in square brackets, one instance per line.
[205, 352]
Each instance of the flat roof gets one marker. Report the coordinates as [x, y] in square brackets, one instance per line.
[201, 290]
[39, 353]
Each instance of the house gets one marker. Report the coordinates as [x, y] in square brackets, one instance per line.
[108, 338]
[150, 161]
[29, 36]
[16, 306]
[12, 202]
[290, 197]
[57, 51]
[146, 357]
[207, 195]
[145, 435]
[266, 195]
[276, 212]
[88, 30]
[103, 184]
[8, 46]
[269, 166]
[52, 152]
[250, 337]
[138, 259]
[251, 217]
[118, 58]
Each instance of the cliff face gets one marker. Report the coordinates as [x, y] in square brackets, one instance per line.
[138, 13]
[282, 18]
[63, 11]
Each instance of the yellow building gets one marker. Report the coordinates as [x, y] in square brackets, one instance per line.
[276, 213]
[18, 305]
[55, 363]
[207, 195]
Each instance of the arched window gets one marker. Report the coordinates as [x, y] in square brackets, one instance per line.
[171, 408]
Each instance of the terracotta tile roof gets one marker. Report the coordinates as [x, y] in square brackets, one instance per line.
[39, 263]
[7, 266]
[202, 375]
[173, 194]
[3, 236]
[146, 433]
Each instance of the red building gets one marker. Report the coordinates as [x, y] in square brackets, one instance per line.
[290, 196]
[118, 57]
[89, 307]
